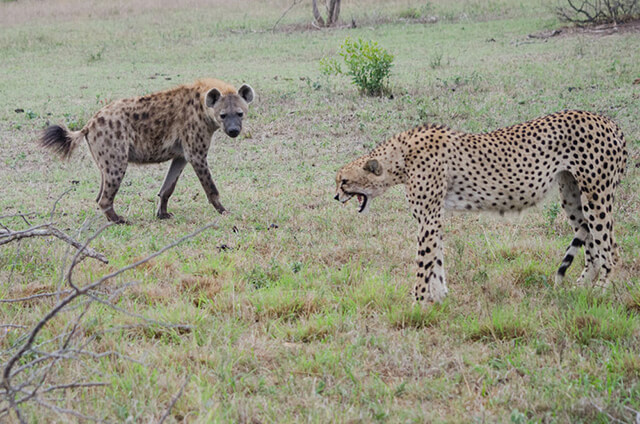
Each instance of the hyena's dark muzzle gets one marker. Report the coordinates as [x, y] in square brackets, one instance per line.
[232, 125]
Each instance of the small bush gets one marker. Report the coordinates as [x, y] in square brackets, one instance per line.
[410, 13]
[593, 12]
[369, 66]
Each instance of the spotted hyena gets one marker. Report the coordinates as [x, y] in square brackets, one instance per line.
[175, 124]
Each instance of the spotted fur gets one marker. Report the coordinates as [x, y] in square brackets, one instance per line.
[509, 169]
[175, 124]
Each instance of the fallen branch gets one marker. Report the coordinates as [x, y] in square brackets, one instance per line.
[25, 375]
[173, 401]
[48, 230]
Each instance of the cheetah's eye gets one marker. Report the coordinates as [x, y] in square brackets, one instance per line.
[344, 181]
[223, 115]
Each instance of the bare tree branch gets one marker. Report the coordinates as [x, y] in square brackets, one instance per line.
[173, 401]
[47, 230]
[29, 383]
[74, 386]
[284, 14]
[35, 296]
[602, 411]
[592, 12]
[53, 208]
[65, 411]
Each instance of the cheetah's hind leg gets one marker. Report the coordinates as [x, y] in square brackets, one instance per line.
[572, 205]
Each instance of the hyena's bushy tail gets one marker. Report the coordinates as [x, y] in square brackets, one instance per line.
[60, 140]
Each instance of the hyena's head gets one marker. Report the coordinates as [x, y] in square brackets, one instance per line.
[227, 110]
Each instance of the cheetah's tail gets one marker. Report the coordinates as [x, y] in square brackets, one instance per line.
[625, 155]
[60, 140]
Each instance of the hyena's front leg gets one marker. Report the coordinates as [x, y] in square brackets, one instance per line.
[177, 165]
[199, 164]
[431, 285]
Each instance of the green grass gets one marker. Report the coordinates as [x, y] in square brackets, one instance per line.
[307, 314]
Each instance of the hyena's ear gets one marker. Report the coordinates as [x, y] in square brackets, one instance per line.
[373, 166]
[213, 96]
[246, 92]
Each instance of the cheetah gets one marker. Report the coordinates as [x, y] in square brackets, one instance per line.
[509, 169]
[176, 124]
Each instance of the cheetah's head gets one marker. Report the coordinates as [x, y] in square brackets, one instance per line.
[228, 110]
[364, 178]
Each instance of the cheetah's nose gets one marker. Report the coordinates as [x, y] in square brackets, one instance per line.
[337, 197]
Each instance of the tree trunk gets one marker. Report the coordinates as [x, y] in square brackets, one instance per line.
[333, 12]
[316, 13]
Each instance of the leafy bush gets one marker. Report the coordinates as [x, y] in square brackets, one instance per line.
[369, 66]
[586, 12]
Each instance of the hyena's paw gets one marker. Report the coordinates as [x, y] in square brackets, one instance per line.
[114, 217]
[221, 210]
[164, 215]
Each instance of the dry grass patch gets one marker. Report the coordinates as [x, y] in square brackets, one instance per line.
[152, 294]
[286, 305]
[200, 288]
[503, 323]
[414, 316]
[317, 327]
[28, 290]
[166, 334]
[623, 363]
[600, 322]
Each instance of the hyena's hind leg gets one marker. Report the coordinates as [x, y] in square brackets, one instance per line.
[169, 184]
[572, 205]
[111, 179]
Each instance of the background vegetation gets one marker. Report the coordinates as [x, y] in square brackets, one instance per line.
[299, 309]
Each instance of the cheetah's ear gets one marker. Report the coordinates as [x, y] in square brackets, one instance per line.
[246, 92]
[373, 166]
[213, 96]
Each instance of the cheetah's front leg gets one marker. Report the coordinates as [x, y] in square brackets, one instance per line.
[428, 209]
[431, 285]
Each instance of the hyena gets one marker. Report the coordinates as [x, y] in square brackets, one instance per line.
[176, 124]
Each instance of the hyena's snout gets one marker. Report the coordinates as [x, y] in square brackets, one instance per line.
[232, 124]
[233, 132]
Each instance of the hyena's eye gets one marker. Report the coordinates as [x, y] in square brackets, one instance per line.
[240, 114]
[223, 115]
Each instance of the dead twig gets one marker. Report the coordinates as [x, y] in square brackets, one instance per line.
[284, 14]
[173, 401]
[48, 230]
[35, 296]
[28, 382]
[602, 411]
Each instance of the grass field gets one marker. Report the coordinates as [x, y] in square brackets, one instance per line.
[294, 308]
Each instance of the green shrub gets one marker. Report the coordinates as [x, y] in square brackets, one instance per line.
[368, 65]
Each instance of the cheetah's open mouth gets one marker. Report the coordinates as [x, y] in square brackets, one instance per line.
[363, 200]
